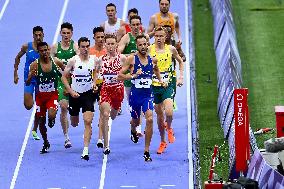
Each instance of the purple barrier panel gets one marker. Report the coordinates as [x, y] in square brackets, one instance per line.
[231, 142]
[226, 79]
[255, 166]
[270, 178]
[224, 38]
[219, 27]
[225, 101]
[228, 119]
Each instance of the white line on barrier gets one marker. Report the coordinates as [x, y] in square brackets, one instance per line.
[19, 162]
[188, 80]
[125, 7]
[63, 11]
[103, 173]
[4, 8]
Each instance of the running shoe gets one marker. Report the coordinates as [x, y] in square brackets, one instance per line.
[119, 111]
[45, 148]
[162, 147]
[51, 122]
[85, 157]
[100, 143]
[35, 136]
[171, 135]
[147, 157]
[67, 143]
[134, 137]
[106, 151]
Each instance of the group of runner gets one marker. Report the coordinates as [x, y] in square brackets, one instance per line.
[121, 63]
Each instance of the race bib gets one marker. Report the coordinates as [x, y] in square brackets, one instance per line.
[110, 79]
[164, 76]
[142, 83]
[48, 87]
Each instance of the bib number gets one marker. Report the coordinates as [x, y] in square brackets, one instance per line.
[48, 87]
[142, 83]
[164, 76]
[110, 79]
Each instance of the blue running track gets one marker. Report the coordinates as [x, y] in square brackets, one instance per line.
[62, 168]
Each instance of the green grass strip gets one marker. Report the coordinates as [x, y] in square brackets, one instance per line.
[210, 131]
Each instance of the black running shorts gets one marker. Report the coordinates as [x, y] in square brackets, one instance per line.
[85, 101]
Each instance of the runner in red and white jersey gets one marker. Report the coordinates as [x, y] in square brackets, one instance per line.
[112, 91]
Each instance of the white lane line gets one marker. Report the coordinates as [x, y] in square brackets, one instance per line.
[103, 173]
[125, 10]
[128, 186]
[53, 188]
[63, 11]
[167, 185]
[17, 169]
[188, 79]
[16, 172]
[4, 8]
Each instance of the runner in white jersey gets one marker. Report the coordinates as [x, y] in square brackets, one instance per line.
[112, 24]
[81, 68]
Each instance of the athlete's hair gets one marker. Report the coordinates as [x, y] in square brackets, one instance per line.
[37, 28]
[167, 0]
[98, 29]
[111, 5]
[83, 39]
[135, 17]
[108, 36]
[67, 25]
[133, 10]
[159, 28]
[140, 37]
[41, 44]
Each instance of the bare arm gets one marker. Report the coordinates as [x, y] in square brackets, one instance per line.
[65, 75]
[177, 27]
[76, 48]
[32, 72]
[23, 50]
[179, 59]
[53, 50]
[127, 62]
[152, 26]
[59, 63]
[156, 69]
[120, 33]
[123, 42]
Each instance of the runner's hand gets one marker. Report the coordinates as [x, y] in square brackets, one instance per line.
[180, 82]
[74, 94]
[164, 84]
[95, 88]
[16, 78]
[65, 92]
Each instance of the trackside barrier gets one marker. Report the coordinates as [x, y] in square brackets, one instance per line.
[229, 73]
[230, 78]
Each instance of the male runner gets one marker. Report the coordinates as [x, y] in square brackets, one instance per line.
[112, 24]
[64, 50]
[45, 71]
[127, 46]
[30, 49]
[141, 94]
[170, 41]
[81, 90]
[165, 17]
[126, 28]
[163, 96]
[99, 50]
[112, 89]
